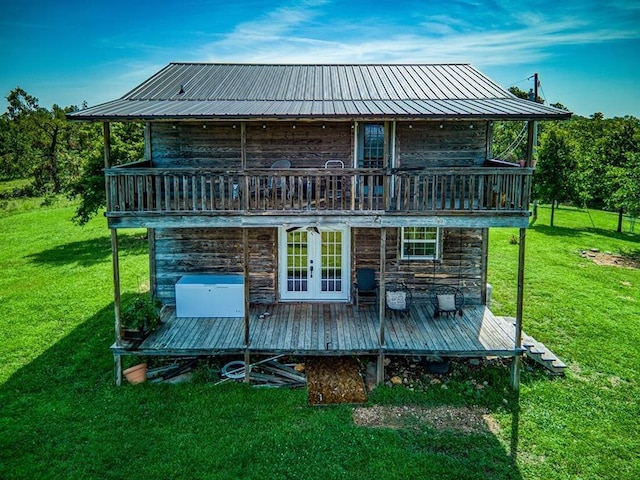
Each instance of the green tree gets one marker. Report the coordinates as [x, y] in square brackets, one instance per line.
[38, 141]
[614, 162]
[127, 145]
[554, 178]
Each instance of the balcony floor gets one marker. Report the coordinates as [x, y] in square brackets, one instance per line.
[331, 329]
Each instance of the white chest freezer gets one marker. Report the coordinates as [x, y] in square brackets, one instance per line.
[219, 295]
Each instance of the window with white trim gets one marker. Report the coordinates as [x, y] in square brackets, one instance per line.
[420, 243]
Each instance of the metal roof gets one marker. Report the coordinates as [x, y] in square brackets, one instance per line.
[250, 91]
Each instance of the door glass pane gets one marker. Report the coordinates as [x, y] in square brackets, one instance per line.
[297, 261]
[331, 261]
[373, 146]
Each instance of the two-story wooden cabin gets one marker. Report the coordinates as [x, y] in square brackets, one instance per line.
[291, 178]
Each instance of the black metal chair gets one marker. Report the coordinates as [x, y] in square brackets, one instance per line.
[366, 290]
[398, 298]
[446, 300]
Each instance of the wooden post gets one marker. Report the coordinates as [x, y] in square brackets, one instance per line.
[515, 368]
[116, 301]
[151, 239]
[381, 303]
[354, 184]
[243, 166]
[115, 261]
[485, 262]
[106, 135]
[245, 249]
[488, 141]
[148, 154]
[243, 145]
[530, 142]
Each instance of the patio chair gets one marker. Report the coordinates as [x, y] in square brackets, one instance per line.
[334, 187]
[398, 298]
[447, 300]
[366, 290]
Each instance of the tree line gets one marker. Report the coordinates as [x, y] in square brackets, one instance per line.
[587, 161]
[591, 162]
[59, 156]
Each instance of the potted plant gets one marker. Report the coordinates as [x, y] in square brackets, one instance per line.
[140, 318]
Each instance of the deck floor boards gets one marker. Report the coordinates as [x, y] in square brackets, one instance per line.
[331, 329]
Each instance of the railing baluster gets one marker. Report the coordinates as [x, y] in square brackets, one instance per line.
[431, 190]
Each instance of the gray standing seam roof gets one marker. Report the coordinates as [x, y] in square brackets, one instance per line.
[250, 91]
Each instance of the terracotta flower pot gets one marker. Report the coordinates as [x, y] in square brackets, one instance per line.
[136, 374]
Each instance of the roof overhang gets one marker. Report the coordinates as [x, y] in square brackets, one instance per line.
[212, 110]
[219, 92]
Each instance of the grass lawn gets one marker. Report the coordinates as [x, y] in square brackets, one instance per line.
[60, 416]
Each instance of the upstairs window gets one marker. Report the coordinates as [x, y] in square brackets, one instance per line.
[420, 243]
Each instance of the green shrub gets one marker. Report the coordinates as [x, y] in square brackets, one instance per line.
[143, 313]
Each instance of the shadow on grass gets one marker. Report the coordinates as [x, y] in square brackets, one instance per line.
[90, 252]
[63, 418]
[556, 231]
[560, 231]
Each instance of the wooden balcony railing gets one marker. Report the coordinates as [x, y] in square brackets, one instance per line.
[135, 189]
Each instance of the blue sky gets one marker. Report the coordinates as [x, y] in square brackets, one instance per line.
[587, 52]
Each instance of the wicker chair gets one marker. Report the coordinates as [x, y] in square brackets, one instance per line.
[398, 298]
[447, 300]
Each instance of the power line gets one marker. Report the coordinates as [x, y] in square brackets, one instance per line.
[515, 144]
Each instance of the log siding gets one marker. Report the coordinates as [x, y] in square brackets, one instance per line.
[438, 144]
[180, 251]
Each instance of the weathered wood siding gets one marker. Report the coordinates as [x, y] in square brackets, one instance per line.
[461, 264]
[311, 144]
[188, 144]
[208, 250]
[184, 251]
[456, 144]
[305, 145]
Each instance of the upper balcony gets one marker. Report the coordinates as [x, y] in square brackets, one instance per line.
[141, 195]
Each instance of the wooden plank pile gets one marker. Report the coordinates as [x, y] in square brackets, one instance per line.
[276, 374]
[175, 372]
[266, 373]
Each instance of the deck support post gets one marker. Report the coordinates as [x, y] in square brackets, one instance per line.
[381, 303]
[380, 369]
[517, 359]
[515, 368]
[153, 277]
[115, 262]
[245, 249]
[247, 366]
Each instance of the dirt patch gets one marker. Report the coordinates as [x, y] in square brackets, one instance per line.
[334, 380]
[460, 419]
[610, 259]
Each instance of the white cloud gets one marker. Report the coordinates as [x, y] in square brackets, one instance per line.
[290, 34]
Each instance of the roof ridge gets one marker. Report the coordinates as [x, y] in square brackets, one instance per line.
[265, 64]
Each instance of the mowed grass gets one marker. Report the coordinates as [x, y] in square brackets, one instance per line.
[61, 417]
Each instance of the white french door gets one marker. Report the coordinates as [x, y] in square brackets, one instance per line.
[314, 264]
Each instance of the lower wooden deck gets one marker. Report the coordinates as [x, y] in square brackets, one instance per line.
[331, 329]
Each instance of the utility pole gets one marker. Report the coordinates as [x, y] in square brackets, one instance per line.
[534, 146]
[535, 87]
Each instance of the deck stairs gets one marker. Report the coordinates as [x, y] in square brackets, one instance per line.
[539, 352]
